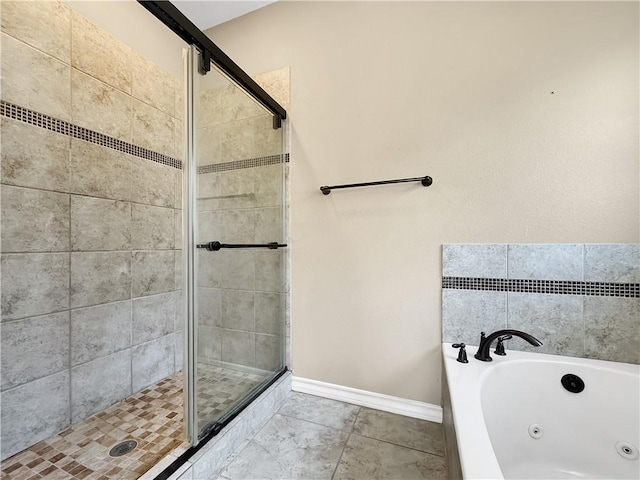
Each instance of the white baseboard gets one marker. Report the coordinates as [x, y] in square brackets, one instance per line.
[379, 401]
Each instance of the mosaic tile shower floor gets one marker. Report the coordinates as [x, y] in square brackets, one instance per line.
[152, 417]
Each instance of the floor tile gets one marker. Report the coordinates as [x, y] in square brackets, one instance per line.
[289, 448]
[370, 459]
[405, 431]
[329, 413]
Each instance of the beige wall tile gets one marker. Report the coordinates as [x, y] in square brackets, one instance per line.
[152, 183]
[237, 105]
[100, 224]
[100, 330]
[267, 140]
[177, 188]
[99, 107]
[209, 343]
[208, 145]
[34, 348]
[153, 85]
[268, 352]
[153, 129]
[99, 171]
[43, 25]
[268, 185]
[152, 361]
[153, 317]
[98, 54]
[236, 141]
[238, 188]
[34, 80]
[33, 156]
[99, 384]
[179, 99]
[34, 284]
[45, 402]
[152, 227]
[100, 277]
[34, 220]
[209, 191]
[210, 107]
[152, 272]
[277, 84]
[178, 228]
[178, 279]
[178, 140]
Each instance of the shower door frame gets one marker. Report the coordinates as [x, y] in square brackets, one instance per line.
[192, 61]
[177, 22]
[201, 52]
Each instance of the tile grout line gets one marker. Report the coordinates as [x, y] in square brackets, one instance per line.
[583, 304]
[346, 443]
[390, 442]
[400, 445]
[69, 286]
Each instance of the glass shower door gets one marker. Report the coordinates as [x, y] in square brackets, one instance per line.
[237, 188]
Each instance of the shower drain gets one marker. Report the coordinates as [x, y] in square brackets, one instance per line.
[123, 448]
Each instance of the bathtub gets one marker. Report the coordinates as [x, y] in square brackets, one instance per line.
[512, 417]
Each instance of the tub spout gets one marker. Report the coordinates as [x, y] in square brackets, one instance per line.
[485, 342]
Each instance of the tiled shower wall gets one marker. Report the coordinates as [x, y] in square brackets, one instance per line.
[240, 200]
[580, 300]
[91, 198]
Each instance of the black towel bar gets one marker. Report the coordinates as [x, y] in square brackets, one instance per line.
[215, 246]
[426, 181]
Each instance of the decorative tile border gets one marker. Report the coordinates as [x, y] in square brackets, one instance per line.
[248, 163]
[561, 287]
[41, 120]
[32, 117]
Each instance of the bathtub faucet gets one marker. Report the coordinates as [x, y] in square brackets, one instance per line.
[485, 342]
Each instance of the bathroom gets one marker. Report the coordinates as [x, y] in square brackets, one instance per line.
[525, 114]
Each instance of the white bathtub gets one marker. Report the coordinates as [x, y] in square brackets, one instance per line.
[514, 419]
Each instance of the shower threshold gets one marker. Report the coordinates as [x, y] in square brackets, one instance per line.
[153, 418]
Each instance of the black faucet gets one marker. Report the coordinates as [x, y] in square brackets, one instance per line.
[485, 342]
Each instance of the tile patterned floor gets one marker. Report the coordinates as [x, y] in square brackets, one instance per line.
[152, 417]
[316, 438]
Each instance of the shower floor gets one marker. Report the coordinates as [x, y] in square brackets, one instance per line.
[152, 417]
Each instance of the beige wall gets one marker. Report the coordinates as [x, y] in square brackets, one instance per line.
[461, 92]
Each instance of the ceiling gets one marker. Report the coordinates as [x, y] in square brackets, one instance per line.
[209, 13]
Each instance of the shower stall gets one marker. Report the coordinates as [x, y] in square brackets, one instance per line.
[144, 246]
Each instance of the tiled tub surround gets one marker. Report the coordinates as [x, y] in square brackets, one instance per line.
[580, 300]
[91, 200]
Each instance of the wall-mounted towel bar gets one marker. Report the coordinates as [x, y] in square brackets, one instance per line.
[215, 246]
[426, 181]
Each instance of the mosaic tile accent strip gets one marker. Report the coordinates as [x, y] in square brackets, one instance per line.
[152, 417]
[248, 163]
[561, 287]
[32, 117]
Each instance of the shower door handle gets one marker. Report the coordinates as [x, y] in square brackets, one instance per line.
[215, 246]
